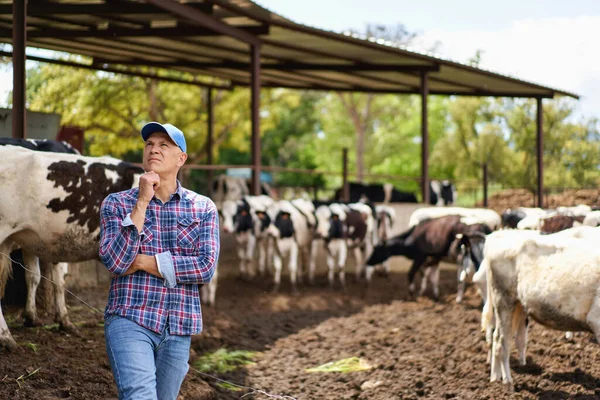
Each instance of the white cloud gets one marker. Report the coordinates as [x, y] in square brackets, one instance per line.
[561, 53]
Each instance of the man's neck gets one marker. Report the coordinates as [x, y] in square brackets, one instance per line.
[166, 189]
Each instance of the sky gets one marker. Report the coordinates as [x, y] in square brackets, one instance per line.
[550, 42]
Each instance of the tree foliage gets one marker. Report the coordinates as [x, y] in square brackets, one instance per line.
[308, 130]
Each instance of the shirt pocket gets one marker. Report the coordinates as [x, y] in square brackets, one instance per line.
[147, 239]
[187, 235]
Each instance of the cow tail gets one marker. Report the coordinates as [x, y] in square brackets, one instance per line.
[5, 271]
[487, 314]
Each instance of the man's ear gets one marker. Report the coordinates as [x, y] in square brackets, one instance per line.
[182, 158]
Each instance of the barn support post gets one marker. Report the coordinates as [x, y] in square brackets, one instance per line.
[255, 105]
[485, 185]
[209, 139]
[540, 152]
[19, 42]
[424, 138]
[345, 184]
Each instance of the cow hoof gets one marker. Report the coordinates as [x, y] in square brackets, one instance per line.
[32, 322]
[67, 326]
[8, 344]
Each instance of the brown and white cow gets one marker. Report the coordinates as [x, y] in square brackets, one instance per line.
[50, 208]
[427, 243]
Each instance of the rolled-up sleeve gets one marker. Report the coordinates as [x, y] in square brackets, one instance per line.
[119, 238]
[201, 267]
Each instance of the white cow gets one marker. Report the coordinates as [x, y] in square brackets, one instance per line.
[553, 278]
[50, 208]
[292, 228]
[385, 218]
[469, 215]
[332, 229]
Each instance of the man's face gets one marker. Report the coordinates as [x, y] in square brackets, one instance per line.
[162, 155]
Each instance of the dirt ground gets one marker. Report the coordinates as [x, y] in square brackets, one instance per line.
[417, 349]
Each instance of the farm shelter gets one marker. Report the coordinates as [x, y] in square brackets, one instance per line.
[228, 43]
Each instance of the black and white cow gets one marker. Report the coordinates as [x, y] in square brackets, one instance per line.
[332, 229]
[248, 220]
[376, 193]
[442, 193]
[469, 259]
[385, 218]
[57, 218]
[293, 226]
[427, 243]
[32, 263]
[47, 145]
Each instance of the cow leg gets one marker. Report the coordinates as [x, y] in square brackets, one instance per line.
[342, 256]
[59, 271]
[330, 266]
[262, 254]
[435, 281]
[502, 344]
[251, 245]
[520, 322]
[415, 267]
[593, 317]
[6, 339]
[359, 262]
[277, 263]
[32, 280]
[241, 250]
[208, 291]
[425, 279]
[302, 260]
[312, 262]
[461, 283]
[293, 265]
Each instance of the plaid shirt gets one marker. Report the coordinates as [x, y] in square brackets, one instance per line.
[183, 235]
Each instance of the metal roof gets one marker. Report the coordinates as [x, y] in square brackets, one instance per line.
[121, 34]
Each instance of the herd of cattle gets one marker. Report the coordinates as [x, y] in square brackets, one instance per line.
[527, 262]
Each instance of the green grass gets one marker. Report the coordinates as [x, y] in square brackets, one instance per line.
[222, 360]
[352, 364]
[30, 345]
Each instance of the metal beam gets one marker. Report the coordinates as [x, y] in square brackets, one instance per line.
[19, 41]
[399, 90]
[424, 139]
[209, 138]
[119, 71]
[540, 152]
[114, 32]
[287, 66]
[205, 20]
[36, 9]
[255, 118]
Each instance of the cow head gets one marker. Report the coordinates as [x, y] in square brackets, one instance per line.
[284, 226]
[470, 254]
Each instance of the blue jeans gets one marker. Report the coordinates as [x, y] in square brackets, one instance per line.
[146, 365]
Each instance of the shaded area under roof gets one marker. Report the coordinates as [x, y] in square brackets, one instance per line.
[122, 34]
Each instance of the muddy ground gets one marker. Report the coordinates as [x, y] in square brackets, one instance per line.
[417, 349]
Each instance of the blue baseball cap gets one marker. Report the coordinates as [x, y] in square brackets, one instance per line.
[174, 133]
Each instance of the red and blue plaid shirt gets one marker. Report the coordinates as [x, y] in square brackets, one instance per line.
[183, 235]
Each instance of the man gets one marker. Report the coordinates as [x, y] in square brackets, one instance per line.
[159, 241]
